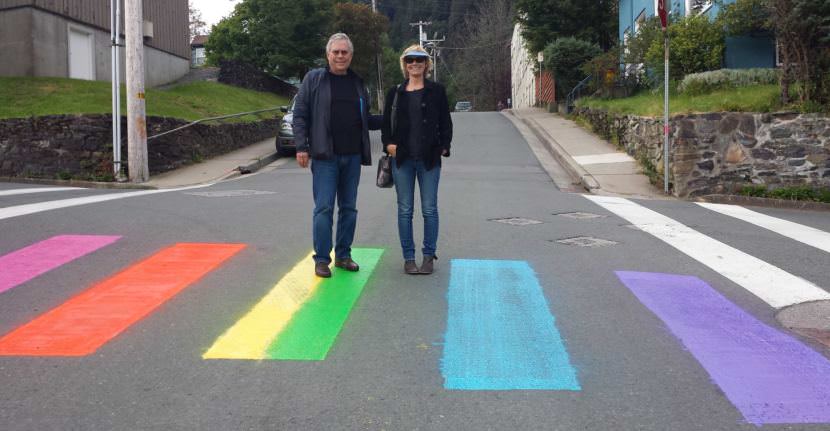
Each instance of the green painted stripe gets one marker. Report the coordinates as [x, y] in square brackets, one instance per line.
[312, 330]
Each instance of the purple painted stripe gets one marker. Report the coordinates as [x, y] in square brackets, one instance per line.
[768, 375]
[27, 263]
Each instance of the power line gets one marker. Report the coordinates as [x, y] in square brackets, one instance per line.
[478, 46]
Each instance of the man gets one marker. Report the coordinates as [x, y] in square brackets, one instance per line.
[331, 129]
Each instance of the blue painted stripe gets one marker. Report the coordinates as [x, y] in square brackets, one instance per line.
[501, 334]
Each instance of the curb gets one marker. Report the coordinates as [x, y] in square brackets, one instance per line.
[764, 202]
[565, 160]
[259, 164]
[78, 183]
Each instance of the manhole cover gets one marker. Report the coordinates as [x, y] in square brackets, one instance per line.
[580, 215]
[516, 221]
[586, 241]
[230, 193]
[810, 319]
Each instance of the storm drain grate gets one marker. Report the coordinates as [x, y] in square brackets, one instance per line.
[230, 193]
[580, 215]
[586, 241]
[515, 221]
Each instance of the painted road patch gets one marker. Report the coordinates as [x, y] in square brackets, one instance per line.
[29, 262]
[501, 334]
[768, 375]
[87, 321]
[300, 318]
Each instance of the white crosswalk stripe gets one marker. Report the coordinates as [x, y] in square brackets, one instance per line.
[773, 285]
[21, 210]
[805, 234]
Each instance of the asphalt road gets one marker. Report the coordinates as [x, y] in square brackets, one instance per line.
[384, 370]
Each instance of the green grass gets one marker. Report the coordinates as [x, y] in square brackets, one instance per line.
[757, 98]
[796, 193]
[27, 96]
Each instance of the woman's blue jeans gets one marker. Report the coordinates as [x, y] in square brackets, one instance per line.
[405, 176]
[337, 178]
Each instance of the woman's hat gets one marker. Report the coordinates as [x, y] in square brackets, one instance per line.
[415, 53]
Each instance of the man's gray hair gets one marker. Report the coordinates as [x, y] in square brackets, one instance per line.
[339, 36]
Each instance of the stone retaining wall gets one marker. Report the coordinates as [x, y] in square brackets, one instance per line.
[721, 152]
[68, 146]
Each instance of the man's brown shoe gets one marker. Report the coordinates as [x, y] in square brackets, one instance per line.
[426, 267]
[347, 263]
[321, 269]
[409, 267]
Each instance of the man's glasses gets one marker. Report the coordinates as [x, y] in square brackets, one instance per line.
[410, 60]
[340, 52]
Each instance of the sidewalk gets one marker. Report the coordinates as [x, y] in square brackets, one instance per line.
[235, 163]
[597, 164]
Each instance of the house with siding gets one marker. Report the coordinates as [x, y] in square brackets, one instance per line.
[742, 52]
[71, 39]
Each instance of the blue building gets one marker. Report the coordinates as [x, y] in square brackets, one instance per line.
[741, 52]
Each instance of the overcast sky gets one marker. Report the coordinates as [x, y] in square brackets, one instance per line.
[214, 10]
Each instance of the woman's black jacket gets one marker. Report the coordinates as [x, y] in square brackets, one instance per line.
[436, 127]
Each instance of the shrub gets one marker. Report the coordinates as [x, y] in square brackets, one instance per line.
[706, 82]
[696, 44]
[564, 57]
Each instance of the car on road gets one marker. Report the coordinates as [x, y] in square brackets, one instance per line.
[285, 138]
[463, 106]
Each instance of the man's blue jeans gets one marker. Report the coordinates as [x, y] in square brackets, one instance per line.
[337, 178]
[405, 176]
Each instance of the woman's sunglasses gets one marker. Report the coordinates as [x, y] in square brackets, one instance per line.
[410, 60]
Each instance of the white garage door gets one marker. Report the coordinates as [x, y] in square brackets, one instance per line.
[81, 64]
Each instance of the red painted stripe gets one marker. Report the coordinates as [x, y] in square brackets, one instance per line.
[87, 321]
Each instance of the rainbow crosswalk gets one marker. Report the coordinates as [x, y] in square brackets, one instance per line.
[500, 333]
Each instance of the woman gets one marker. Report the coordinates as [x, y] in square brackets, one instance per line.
[417, 131]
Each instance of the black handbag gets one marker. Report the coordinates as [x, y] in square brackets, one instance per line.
[385, 179]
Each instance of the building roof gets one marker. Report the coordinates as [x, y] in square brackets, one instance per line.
[199, 40]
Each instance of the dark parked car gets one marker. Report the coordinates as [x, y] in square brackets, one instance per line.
[285, 138]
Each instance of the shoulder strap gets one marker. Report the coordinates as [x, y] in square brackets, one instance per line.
[394, 113]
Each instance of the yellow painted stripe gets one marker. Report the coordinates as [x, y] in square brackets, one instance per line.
[250, 337]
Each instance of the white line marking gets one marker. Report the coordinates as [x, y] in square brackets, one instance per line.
[806, 234]
[775, 286]
[21, 210]
[37, 190]
[596, 159]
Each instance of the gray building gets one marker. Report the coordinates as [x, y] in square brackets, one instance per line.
[71, 39]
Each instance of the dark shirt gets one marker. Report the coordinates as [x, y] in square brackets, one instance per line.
[414, 142]
[346, 124]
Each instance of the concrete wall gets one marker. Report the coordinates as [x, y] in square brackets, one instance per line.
[523, 80]
[40, 40]
[16, 43]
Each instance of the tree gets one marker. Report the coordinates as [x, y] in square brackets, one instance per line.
[565, 58]
[282, 37]
[481, 64]
[544, 21]
[197, 25]
[364, 28]
[802, 28]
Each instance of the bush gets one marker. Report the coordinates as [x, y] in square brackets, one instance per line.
[696, 44]
[564, 57]
[707, 82]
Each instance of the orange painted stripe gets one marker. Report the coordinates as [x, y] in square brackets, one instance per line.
[87, 321]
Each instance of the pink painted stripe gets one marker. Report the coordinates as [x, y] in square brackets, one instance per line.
[27, 263]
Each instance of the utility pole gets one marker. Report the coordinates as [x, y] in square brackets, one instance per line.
[379, 64]
[136, 110]
[421, 36]
[115, 33]
[433, 44]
